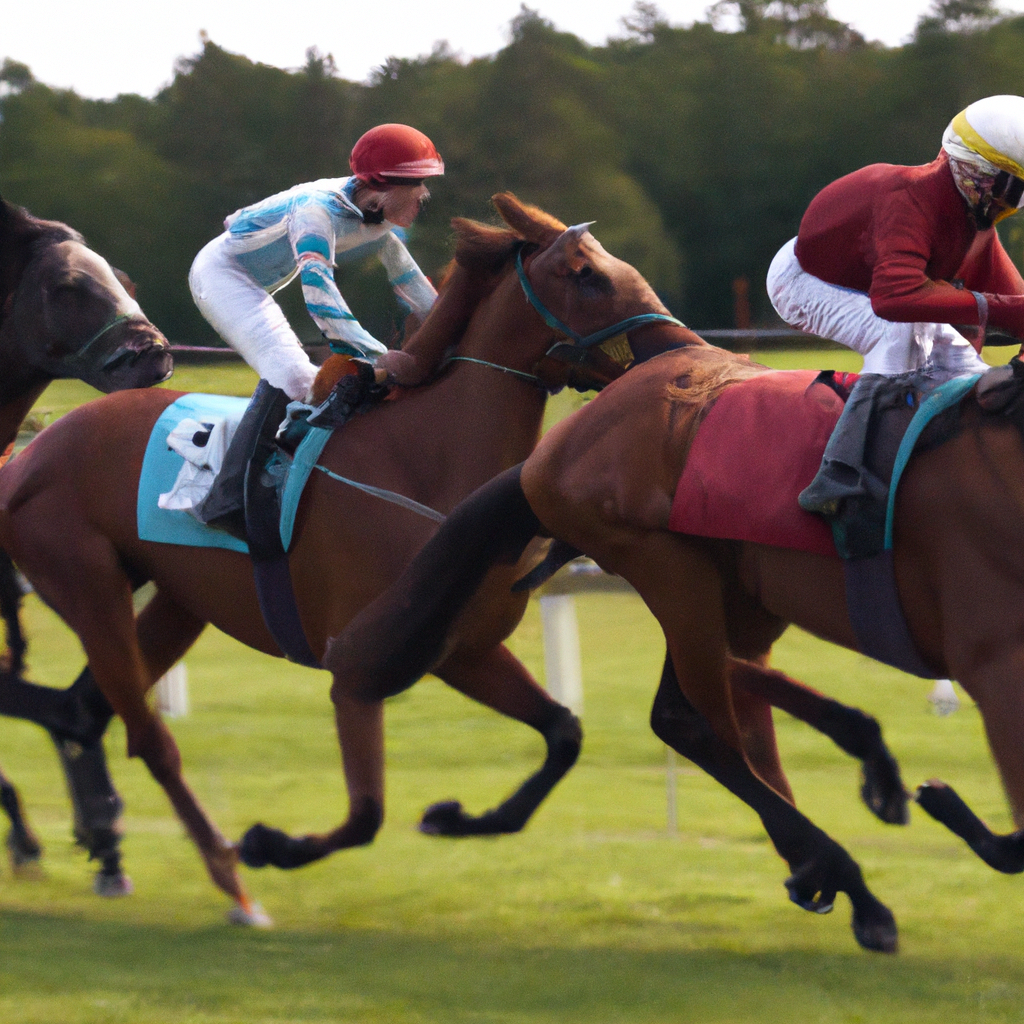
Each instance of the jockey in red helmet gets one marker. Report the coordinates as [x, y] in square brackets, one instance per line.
[888, 258]
[297, 233]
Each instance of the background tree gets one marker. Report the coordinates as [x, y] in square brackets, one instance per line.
[696, 150]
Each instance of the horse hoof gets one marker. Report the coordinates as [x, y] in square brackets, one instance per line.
[252, 917]
[112, 886]
[261, 846]
[24, 849]
[807, 894]
[879, 934]
[445, 819]
[883, 791]
[254, 850]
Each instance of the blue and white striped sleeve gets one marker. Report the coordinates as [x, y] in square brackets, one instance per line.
[312, 235]
[408, 281]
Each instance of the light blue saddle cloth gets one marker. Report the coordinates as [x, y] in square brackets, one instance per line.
[161, 465]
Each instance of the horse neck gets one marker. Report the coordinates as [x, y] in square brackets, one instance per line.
[477, 420]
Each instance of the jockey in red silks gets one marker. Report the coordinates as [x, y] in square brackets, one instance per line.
[888, 258]
[298, 233]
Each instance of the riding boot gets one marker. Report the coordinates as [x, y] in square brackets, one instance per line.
[1000, 389]
[224, 506]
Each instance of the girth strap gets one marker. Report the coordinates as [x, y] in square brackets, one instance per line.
[269, 559]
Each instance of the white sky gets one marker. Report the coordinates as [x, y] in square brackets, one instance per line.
[101, 48]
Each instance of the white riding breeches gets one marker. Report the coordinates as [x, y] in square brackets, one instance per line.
[846, 316]
[249, 320]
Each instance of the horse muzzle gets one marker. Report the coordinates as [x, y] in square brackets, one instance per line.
[138, 358]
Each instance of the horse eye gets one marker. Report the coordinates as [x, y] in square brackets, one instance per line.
[593, 280]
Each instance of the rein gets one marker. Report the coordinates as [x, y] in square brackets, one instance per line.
[589, 340]
[530, 378]
[379, 492]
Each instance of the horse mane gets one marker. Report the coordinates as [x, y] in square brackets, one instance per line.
[712, 371]
[694, 392]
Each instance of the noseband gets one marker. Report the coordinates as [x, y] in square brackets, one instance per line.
[74, 358]
[589, 340]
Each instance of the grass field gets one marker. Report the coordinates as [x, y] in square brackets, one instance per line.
[594, 914]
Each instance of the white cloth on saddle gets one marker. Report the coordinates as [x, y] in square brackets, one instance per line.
[846, 316]
[202, 461]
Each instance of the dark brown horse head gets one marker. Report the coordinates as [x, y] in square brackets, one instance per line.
[65, 313]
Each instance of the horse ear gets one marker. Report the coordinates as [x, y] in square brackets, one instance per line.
[530, 222]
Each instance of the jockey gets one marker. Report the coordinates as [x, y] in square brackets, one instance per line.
[888, 258]
[298, 233]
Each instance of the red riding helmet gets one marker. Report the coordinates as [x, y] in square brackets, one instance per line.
[394, 151]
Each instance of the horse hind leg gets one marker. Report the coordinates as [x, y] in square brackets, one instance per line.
[497, 679]
[852, 730]
[82, 579]
[22, 844]
[360, 727]
[1005, 853]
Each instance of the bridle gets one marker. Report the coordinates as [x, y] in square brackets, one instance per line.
[77, 357]
[579, 351]
[589, 340]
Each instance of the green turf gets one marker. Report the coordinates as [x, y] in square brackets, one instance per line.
[594, 914]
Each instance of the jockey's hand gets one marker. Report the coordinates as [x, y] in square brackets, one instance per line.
[399, 368]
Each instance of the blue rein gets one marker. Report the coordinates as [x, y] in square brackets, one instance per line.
[597, 337]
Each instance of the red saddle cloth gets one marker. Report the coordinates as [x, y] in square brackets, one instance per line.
[757, 449]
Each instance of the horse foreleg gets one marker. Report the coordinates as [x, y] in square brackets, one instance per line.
[820, 866]
[853, 731]
[165, 631]
[10, 607]
[22, 843]
[360, 727]
[499, 680]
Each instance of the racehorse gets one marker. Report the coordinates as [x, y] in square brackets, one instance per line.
[433, 445]
[603, 481]
[64, 312]
[67, 515]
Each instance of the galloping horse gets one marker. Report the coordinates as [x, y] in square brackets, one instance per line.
[63, 313]
[68, 517]
[603, 481]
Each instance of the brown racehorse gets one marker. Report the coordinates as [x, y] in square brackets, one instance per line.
[67, 515]
[64, 312]
[603, 481]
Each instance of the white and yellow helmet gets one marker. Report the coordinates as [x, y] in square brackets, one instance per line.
[985, 143]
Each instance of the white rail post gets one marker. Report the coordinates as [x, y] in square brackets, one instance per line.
[671, 801]
[172, 692]
[562, 650]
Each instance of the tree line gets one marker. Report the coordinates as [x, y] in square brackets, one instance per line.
[695, 150]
